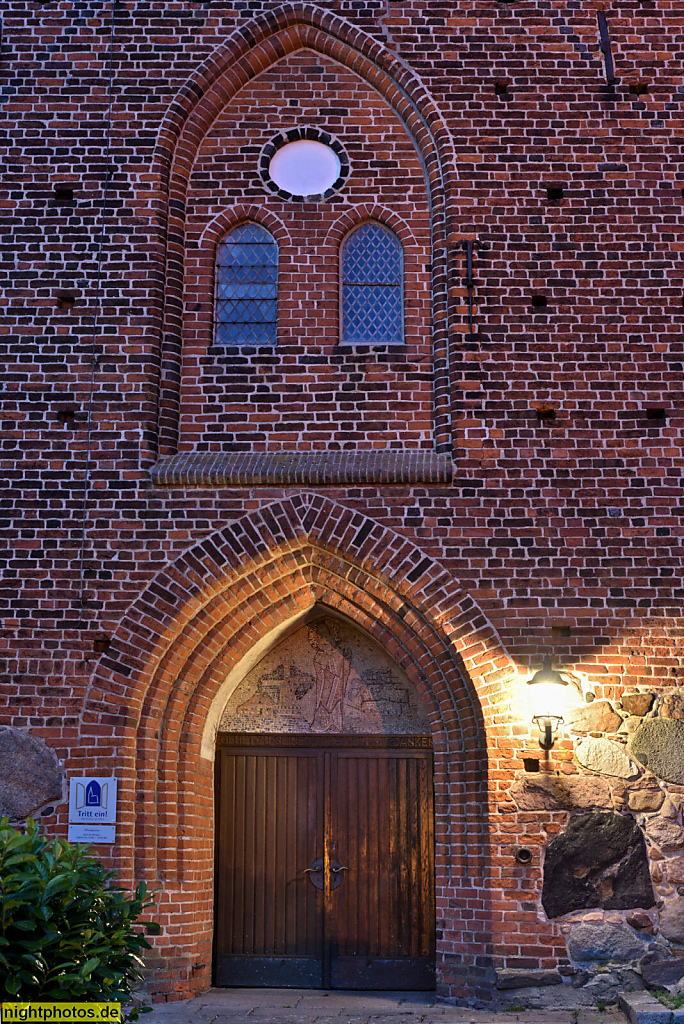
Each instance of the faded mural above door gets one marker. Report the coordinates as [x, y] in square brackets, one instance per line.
[325, 678]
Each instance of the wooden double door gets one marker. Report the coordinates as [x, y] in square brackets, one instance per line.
[325, 862]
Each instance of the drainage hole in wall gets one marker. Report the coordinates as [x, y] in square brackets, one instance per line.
[554, 193]
[523, 855]
[545, 414]
[64, 194]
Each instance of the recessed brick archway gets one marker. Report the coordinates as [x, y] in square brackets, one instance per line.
[251, 50]
[148, 704]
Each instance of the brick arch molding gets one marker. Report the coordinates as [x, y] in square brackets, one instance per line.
[233, 593]
[351, 219]
[251, 49]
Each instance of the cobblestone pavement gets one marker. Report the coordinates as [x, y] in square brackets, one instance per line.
[305, 1006]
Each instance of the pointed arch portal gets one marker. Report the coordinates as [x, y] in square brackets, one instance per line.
[155, 702]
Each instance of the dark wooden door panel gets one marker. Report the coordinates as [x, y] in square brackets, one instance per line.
[269, 918]
[363, 817]
[382, 929]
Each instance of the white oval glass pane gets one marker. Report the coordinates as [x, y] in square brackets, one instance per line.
[305, 168]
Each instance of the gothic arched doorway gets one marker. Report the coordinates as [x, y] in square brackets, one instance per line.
[325, 825]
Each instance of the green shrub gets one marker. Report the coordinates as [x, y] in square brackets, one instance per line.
[66, 933]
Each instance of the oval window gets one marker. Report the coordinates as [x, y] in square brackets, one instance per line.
[305, 168]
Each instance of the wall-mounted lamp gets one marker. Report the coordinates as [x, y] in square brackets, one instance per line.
[547, 702]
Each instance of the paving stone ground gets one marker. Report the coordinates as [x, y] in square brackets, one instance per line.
[305, 1006]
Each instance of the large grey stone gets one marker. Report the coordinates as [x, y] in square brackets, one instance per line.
[599, 755]
[663, 972]
[598, 861]
[603, 943]
[659, 745]
[666, 834]
[543, 792]
[596, 717]
[672, 920]
[30, 774]
[604, 987]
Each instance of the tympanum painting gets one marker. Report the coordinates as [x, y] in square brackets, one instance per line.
[325, 677]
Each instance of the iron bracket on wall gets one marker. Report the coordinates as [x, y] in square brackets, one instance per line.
[469, 244]
[605, 47]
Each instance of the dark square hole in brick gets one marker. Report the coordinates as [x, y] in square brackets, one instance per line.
[539, 301]
[561, 631]
[531, 764]
[638, 88]
[67, 416]
[554, 193]
[64, 194]
[101, 644]
[501, 89]
[546, 414]
[66, 301]
[657, 415]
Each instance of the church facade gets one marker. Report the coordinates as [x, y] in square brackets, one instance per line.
[342, 450]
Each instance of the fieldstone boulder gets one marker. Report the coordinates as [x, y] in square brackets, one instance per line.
[596, 717]
[604, 987]
[507, 979]
[542, 792]
[30, 774]
[638, 703]
[669, 809]
[645, 801]
[673, 707]
[603, 943]
[605, 757]
[672, 920]
[663, 972]
[675, 871]
[659, 745]
[599, 860]
[639, 920]
[666, 834]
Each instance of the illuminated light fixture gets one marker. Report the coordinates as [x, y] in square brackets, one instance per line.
[547, 702]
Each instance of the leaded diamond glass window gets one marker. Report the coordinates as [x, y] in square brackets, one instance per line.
[247, 287]
[372, 287]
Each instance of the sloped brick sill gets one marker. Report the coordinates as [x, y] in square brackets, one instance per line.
[318, 469]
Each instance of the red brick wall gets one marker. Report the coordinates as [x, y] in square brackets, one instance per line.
[564, 534]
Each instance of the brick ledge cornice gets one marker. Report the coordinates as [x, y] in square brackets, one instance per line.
[288, 468]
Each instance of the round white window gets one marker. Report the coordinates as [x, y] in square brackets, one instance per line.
[305, 168]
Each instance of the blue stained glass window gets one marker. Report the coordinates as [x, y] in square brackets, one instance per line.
[247, 287]
[372, 287]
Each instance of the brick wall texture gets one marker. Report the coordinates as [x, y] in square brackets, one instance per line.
[557, 528]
